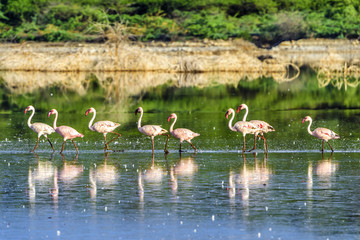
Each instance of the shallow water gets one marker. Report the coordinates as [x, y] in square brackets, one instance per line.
[293, 192]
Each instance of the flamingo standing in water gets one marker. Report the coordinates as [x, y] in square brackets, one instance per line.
[321, 133]
[65, 131]
[182, 133]
[241, 126]
[103, 127]
[39, 128]
[151, 130]
[263, 127]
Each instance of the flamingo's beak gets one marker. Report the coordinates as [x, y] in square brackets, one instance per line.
[303, 120]
[87, 112]
[49, 114]
[227, 114]
[169, 119]
[238, 110]
[25, 110]
[136, 111]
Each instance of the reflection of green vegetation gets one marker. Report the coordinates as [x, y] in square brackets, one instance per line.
[270, 20]
[263, 93]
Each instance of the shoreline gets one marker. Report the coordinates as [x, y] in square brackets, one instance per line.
[176, 57]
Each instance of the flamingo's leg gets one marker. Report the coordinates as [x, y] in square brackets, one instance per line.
[37, 142]
[244, 145]
[322, 149]
[75, 146]
[254, 144]
[50, 144]
[118, 135]
[192, 146]
[106, 146]
[153, 145]
[63, 146]
[180, 148]
[332, 150]
[265, 144]
[167, 140]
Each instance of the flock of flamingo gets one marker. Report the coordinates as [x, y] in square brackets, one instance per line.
[256, 127]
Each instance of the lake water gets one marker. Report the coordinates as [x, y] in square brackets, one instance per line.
[293, 192]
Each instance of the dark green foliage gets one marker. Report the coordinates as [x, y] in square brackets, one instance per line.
[263, 21]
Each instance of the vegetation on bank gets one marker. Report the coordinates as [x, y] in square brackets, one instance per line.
[265, 22]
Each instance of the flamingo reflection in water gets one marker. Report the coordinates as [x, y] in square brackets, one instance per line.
[152, 176]
[105, 174]
[248, 178]
[71, 171]
[40, 176]
[326, 168]
[185, 168]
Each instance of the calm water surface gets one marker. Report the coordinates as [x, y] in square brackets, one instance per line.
[293, 192]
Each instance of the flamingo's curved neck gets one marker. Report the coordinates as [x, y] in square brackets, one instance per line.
[139, 122]
[172, 125]
[54, 124]
[31, 116]
[308, 128]
[91, 121]
[230, 122]
[246, 113]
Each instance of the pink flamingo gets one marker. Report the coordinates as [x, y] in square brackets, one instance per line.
[321, 133]
[39, 128]
[65, 131]
[263, 127]
[182, 133]
[151, 130]
[103, 127]
[241, 126]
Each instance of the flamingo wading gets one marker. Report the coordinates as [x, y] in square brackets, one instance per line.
[182, 133]
[241, 126]
[65, 131]
[263, 127]
[321, 133]
[103, 127]
[39, 128]
[151, 130]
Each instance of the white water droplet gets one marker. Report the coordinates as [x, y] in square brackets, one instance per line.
[58, 233]
[195, 230]
[270, 229]
[266, 208]
[106, 209]
[181, 222]
[213, 217]
[259, 235]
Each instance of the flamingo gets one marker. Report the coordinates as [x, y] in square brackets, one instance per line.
[39, 128]
[65, 131]
[241, 126]
[321, 133]
[182, 133]
[263, 127]
[103, 127]
[151, 130]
